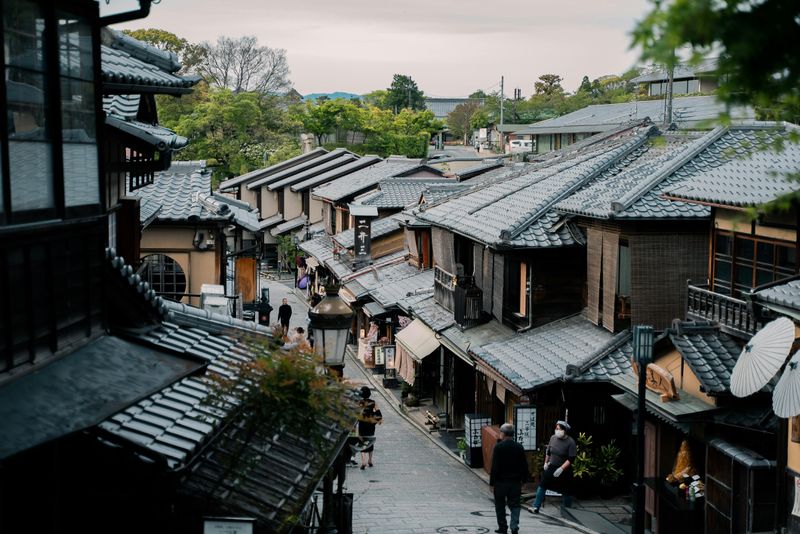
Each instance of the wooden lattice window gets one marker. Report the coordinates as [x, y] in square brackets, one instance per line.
[164, 275]
[141, 167]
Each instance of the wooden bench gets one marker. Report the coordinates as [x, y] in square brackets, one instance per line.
[431, 420]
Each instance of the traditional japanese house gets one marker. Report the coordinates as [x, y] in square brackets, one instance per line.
[102, 382]
[185, 233]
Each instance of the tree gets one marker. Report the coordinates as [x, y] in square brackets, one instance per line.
[404, 93]
[459, 120]
[758, 44]
[317, 118]
[190, 55]
[480, 93]
[242, 65]
[549, 84]
[586, 85]
[378, 98]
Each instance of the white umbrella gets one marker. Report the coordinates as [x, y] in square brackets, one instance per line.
[762, 357]
[786, 397]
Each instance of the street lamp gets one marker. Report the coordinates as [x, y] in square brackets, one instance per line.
[642, 355]
[329, 322]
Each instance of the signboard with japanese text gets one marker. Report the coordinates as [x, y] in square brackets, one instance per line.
[525, 426]
[473, 423]
[228, 525]
[361, 250]
[378, 350]
[389, 352]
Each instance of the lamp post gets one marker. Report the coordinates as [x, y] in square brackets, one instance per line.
[642, 355]
[329, 322]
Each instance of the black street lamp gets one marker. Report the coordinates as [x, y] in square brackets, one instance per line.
[642, 355]
[329, 323]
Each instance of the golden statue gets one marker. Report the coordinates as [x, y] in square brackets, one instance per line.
[684, 467]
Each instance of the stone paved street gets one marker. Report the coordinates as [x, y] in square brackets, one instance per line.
[415, 487]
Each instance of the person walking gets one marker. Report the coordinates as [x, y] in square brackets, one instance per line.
[558, 460]
[509, 471]
[284, 314]
[369, 417]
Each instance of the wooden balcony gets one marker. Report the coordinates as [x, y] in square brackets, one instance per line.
[460, 295]
[734, 315]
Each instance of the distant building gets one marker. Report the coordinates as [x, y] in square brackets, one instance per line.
[442, 107]
[686, 79]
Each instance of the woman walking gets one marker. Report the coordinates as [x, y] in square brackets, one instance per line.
[369, 417]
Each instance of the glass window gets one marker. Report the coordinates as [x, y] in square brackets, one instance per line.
[624, 280]
[164, 275]
[680, 87]
[765, 253]
[78, 122]
[29, 146]
[722, 272]
[787, 258]
[744, 276]
[723, 244]
[745, 249]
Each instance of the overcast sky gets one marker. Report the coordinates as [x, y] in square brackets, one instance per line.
[449, 47]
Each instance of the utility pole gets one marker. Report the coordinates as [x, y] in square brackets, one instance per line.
[670, 84]
[502, 137]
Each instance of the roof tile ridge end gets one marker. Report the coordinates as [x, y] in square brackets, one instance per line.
[689, 153]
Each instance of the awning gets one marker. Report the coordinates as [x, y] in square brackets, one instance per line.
[373, 309]
[419, 340]
[82, 389]
[312, 263]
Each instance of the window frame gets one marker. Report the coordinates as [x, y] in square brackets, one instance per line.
[89, 11]
[754, 263]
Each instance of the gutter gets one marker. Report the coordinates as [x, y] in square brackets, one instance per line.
[142, 12]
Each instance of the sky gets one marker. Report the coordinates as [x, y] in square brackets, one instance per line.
[449, 47]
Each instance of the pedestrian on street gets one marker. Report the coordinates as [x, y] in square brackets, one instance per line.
[369, 417]
[558, 460]
[509, 471]
[284, 314]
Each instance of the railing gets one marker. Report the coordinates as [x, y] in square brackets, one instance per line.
[733, 315]
[460, 295]
[443, 285]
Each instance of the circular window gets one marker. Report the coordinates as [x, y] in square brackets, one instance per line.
[164, 275]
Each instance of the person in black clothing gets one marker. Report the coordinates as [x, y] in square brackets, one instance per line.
[284, 314]
[509, 471]
[368, 418]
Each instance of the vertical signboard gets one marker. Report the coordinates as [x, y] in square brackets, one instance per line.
[473, 423]
[362, 239]
[525, 426]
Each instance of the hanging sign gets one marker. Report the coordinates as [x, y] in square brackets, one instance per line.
[525, 426]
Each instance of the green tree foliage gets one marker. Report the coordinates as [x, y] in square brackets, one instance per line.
[459, 121]
[236, 130]
[758, 44]
[378, 98]
[549, 84]
[190, 55]
[404, 93]
[586, 85]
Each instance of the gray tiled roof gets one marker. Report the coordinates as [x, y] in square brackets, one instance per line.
[435, 316]
[321, 248]
[158, 136]
[288, 226]
[739, 169]
[785, 295]
[632, 188]
[379, 228]
[302, 169]
[183, 193]
[398, 193]
[337, 172]
[616, 362]
[681, 71]
[363, 179]
[710, 354]
[441, 107]
[409, 289]
[232, 183]
[336, 159]
[517, 211]
[541, 356]
[119, 67]
[126, 106]
[470, 340]
[687, 111]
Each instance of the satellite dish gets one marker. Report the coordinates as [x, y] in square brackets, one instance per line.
[786, 397]
[762, 357]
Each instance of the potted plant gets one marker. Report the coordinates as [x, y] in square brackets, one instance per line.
[607, 468]
[584, 468]
[461, 445]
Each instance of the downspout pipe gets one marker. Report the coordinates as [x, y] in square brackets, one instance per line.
[142, 12]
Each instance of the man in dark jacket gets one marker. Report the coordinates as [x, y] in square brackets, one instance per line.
[284, 314]
[509, 471]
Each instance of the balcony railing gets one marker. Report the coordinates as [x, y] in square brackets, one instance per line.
[443, 285]
[733, 315]
[460, 295]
